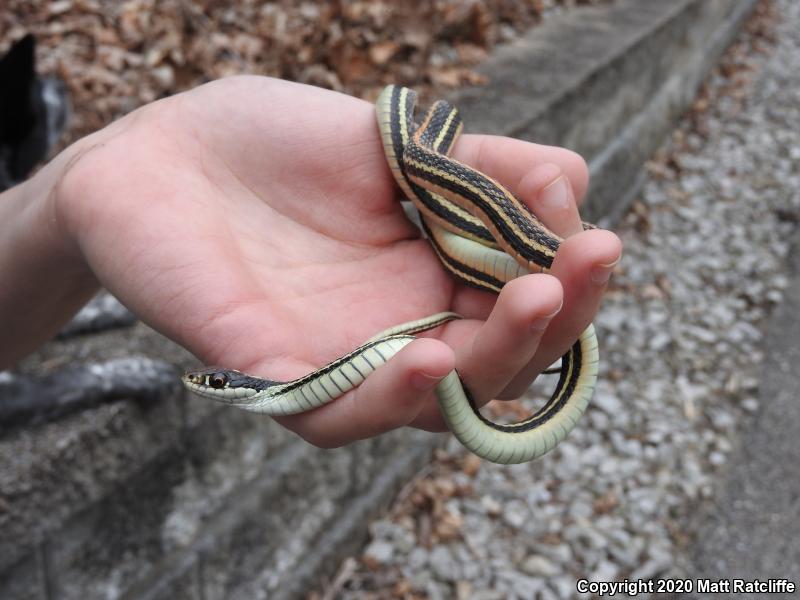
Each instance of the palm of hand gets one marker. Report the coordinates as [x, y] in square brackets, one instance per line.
[272, 217]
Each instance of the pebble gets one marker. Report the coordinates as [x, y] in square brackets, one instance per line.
[443, 565]
[717, 459]
[491, 506]
[418, 558]
[750, 404]
[605, 571]
[539, 566]
[380, 552]
[559, 553]
[515, 513]
[650, 570]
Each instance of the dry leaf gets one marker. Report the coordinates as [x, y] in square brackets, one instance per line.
[382, 52]
[471, 465]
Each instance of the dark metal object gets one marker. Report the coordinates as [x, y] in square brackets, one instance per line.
[32, 400]
[33, 112]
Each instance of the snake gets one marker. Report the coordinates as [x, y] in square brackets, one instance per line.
[484, 237]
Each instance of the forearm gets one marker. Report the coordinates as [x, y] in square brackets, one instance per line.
[43, 277]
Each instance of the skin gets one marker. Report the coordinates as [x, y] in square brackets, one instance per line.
[255, 222]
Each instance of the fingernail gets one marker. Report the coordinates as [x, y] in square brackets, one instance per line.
[424, 382]
[600, 274]
[542, 322]
[555, 194]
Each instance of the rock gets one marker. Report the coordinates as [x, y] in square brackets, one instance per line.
[560, 553]
[436, 591]
[521, 586]
[750, 404]
[492, 507]
[515, 513]
[605, 571]
[418, 558]
[607, 401]
[717, 459]
[379, 552]
[539, 566]
[444, 567]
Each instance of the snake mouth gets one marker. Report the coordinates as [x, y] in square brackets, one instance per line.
[226, 395]
[191, 377]
[206, 372]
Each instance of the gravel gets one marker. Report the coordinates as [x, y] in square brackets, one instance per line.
[680, 336]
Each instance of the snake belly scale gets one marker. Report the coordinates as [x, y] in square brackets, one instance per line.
[484, 237]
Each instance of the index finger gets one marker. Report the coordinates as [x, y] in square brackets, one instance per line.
[508, 160]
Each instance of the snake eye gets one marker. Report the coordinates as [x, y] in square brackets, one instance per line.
[218, 380]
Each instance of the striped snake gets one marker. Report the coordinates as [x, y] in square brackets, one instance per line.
[484, 237]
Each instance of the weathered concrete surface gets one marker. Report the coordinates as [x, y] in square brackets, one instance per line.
[752, 529]
[152, 500]
[607, 82]
[143, 500]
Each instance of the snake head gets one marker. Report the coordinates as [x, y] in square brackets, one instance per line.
[214, 383]
[224, 385]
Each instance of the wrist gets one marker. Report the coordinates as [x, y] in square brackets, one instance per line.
[56, 198]
[45, 277]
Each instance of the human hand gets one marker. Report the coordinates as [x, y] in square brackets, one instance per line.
[255, 222]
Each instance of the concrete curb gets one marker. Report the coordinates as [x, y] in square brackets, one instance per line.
[128, 501]
[607, 82]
